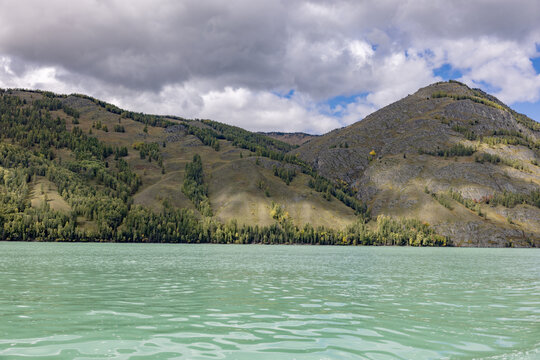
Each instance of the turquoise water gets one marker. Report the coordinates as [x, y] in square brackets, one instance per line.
[145, 301]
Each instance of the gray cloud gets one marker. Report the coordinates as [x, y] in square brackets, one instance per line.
[146, 46]
[186, 57]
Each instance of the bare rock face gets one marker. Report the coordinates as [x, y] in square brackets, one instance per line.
[175, 133]
[481, 234]
[385, 157]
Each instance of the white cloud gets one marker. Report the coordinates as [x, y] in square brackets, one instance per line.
[264, 111]
[252, 110]
[362, 52]
[505, 66]
[398, 76]
[357, 110]
[37, 77]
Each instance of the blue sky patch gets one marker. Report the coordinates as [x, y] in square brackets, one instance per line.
[490, 89]
[536, 64]
[532, 110]
[447, 72]
[343, 101]
[286, 95]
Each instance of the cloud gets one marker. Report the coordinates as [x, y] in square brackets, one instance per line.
[43, 77]
[252, 110]
[503, 65]
[228, 59]
[266, 111]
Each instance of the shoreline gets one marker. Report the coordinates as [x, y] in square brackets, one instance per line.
[268, 244]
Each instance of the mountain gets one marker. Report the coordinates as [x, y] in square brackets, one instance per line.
[75, 168]
[449, 155]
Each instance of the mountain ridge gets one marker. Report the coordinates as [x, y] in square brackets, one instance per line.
[405, 135]
[479, 192]
[293, 138]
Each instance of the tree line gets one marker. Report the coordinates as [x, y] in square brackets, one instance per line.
[195, 188]
[453, 150]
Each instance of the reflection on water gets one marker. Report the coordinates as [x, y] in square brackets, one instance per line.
[267, 302]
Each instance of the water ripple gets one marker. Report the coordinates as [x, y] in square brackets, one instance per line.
[282, 302]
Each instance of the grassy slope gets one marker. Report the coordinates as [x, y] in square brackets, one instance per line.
[249, 204]
[232, 180]
[44, 190]
[410, 200]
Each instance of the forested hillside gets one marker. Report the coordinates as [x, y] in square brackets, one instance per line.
[75, 168]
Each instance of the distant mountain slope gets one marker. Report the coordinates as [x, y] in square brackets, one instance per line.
[296, 138]
[418, 155]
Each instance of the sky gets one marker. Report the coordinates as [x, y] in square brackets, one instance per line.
[290, 65]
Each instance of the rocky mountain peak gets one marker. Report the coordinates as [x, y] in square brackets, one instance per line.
[445, 137]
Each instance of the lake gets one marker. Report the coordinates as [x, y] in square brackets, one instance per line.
[154, 301]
